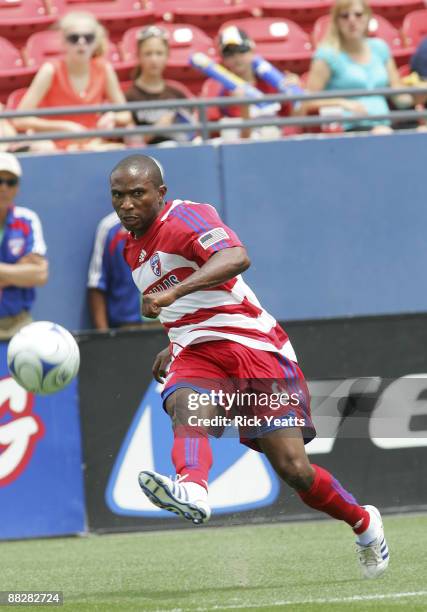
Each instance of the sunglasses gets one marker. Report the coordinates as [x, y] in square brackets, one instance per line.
[347, 14]
[9, 182]
[74, 39]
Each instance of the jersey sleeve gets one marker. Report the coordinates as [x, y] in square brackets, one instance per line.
[201, 232]
[34, 240]
[98, 267]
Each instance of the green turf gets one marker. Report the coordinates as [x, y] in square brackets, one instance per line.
[243, 568]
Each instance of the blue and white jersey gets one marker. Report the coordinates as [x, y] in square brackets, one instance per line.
[109, 272]
[22, 235]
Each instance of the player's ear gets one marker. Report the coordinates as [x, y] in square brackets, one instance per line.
[162, 191]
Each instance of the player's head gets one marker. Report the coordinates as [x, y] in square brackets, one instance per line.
[10, 175]
[153, 51]
[137, 191]
[236, 50]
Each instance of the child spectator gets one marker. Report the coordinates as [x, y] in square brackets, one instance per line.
[149, 85]
[237, 52]
[81, 77]
[348, 59]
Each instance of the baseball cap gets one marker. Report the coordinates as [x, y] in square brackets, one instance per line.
[234, 40]
[9, 163]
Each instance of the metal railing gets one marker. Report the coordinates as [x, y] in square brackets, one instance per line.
[204, 127]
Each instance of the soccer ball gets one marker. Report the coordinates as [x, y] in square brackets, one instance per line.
[43, 357]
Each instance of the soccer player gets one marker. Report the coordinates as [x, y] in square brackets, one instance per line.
[187, 264]
[114, 301]
[23, 263]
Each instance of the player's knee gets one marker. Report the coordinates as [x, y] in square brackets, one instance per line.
[297, 473]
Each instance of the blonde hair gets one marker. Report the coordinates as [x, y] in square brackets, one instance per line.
[70, 20]
[333, 36]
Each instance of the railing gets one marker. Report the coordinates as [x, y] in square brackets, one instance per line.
[204, 127]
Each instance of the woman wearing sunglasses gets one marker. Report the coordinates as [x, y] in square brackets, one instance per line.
[80, 77]
[348, 59]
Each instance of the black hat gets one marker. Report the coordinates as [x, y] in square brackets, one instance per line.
[234, 40]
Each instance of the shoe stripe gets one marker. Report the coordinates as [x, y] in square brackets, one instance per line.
[385, 556]
[384, 548]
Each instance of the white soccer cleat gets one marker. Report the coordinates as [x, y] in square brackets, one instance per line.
[175, 496]
[374, 557]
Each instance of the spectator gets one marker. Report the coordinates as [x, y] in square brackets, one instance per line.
[149, 85]
[419, 73]
[81, 77]
[114, 300]
[237, 52]
[22, 252]
[348, 59]
[7, 130]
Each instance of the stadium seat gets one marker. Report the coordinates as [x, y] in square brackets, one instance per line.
[116, 15]
[414, 28]
[20, 18]
[207, 15]
[303, 12]
[46, 45]
[280, 41]
[379, 27]
[184, 39]
[395, 10]
[15, 97]
[13, 73]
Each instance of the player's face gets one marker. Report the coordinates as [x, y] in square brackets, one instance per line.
[136, 200]
[8, 188]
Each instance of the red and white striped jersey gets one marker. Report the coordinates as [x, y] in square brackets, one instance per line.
[181, 239]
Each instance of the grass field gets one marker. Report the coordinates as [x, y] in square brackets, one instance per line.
[292, 566]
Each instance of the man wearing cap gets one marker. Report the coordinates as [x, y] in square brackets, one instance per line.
[22, 252]
[237, 53]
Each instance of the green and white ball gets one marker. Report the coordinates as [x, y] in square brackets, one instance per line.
[43, 357]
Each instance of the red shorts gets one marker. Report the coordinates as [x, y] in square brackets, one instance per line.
[270, 390]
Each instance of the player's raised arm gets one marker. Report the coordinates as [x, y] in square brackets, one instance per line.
[219, 268]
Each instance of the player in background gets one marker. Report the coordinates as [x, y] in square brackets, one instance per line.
[187, 265]
[114, 301]
[23, 265]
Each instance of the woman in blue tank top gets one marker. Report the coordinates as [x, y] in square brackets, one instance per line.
[347, 59]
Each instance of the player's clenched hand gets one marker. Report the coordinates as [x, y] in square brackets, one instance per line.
[160, 364]
[152, 303]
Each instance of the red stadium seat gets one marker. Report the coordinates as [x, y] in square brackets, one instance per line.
[43, 46]
[280, 41]
[414, 28]
[13, 73]
[379, 27]
[184, 39]
[303, 12]
[15, 97]
[208, 15]
[20, 18]
[395, 10]
[116, 15]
